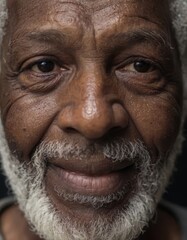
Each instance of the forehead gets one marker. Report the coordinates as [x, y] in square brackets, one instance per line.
[98, 13]
[90, 25]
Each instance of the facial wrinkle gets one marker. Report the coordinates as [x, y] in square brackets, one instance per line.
[72, 12]
[95, 6]
[112, 18]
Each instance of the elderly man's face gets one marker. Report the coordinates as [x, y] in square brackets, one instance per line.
[90, 75]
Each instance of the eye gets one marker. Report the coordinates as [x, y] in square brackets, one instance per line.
[142, 66]
[41, 74]
[44, 66]
[139, 66]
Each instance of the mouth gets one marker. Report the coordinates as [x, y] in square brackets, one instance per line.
[95, 183]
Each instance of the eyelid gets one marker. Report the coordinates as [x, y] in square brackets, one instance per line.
[134, 59]
[30, 63]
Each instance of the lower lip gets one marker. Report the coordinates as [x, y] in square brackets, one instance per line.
[90, 185]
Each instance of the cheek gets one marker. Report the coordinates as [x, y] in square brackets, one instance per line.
[27, 121]
[158, 122]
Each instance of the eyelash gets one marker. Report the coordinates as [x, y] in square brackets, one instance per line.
[128, 61]
[154, 63]
[33, 63]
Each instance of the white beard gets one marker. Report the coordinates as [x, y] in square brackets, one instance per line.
[27, 182]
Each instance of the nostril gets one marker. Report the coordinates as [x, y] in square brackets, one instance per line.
[110, 118]
[70, 130]
[114, 131]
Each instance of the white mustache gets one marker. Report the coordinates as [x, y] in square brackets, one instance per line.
[116, 150]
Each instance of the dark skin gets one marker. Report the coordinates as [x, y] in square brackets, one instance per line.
[89, 71]
[14, 226]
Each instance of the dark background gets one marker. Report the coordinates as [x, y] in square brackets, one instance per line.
[176, 192]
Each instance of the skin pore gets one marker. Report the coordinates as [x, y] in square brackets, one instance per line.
[89, 72]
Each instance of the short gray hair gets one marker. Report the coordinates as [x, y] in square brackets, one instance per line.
[3, 17]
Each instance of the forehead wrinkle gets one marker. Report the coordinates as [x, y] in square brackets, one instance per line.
[115, 19]
[108, 22]
[95, 5]
[79, 10]
[53, 36]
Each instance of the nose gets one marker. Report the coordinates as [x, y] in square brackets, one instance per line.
[96, 110]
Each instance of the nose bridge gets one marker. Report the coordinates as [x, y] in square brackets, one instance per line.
[93, 100]
[96, 109]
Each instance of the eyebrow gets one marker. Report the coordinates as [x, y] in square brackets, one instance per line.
[119, 40]
[52, 36]
[155, 37]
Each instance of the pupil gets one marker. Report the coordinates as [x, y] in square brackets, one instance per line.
[46, 66]
[142, 66]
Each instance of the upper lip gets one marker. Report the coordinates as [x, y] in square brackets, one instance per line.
[92, 167]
